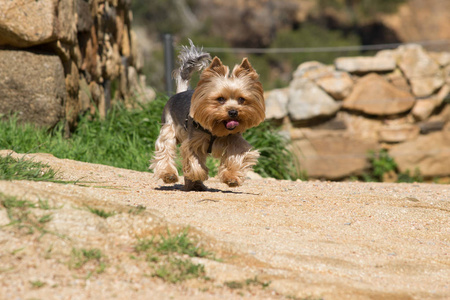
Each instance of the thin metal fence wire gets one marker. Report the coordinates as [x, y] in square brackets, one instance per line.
[325, 49]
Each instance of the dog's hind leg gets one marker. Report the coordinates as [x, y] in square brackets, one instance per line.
[163, 162]
[194, 152]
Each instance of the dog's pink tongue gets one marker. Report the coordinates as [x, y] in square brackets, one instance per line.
[232, 124]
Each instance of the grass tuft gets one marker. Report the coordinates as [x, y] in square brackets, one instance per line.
[165, 256]
[23, 169]
[80, 257]
[100, 212]
[20, 214]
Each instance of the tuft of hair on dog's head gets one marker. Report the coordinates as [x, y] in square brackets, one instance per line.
[227, 103]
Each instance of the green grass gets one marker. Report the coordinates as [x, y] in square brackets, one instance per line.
[21, 215]
[166, 256]
[177, 270]
[168, 244]
[246, 283]
[24, 169]
[125, 139]
[37, 284]
[100, 212]
[80, 257]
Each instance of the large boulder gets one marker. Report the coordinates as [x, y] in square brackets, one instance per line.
[425, 107]
[25, 23]
[307, 101]
[337, 84]
[363, 64]
[276, 104]
[373, 95]
[398, 133]
[332, 154]
[420, 69]
[32, 86]
[429, 153]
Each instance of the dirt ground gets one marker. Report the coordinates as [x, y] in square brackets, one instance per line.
[305, 240]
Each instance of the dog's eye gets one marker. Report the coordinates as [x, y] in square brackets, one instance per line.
[241, 100]
[221, 100]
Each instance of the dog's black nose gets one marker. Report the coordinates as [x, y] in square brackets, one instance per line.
[233, 113]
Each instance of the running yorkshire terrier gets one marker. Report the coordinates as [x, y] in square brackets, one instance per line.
[209, 119]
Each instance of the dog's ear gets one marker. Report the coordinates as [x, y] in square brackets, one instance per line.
[245, 64]
[216, 66]
[244, 69]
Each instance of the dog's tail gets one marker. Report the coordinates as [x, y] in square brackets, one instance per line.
[191, 59]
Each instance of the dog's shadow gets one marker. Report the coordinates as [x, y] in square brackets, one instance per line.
[180, 188]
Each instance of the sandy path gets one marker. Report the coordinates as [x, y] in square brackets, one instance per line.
[309, 239]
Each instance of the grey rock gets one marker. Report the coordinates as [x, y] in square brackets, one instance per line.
[420, 69]
[308, 101]
[276, 103]
[362, 64]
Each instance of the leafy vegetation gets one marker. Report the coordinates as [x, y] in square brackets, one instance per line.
[276, 160]
[383, 167]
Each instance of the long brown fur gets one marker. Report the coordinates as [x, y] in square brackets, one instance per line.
[217, 93]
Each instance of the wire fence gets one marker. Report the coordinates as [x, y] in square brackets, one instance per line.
[325, 49]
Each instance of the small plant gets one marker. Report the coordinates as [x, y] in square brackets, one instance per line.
[247, 283]
[164, 255]
[176, 270]
[257, 282]
[181, 244]
[136, 210]
[100, 212]
[37, 284]
[20, 215]
[383, 165]
[407, 177]
[234, 285]
[80, 257]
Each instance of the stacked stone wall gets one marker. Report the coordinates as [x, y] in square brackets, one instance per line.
[60, 58]
[397, 100]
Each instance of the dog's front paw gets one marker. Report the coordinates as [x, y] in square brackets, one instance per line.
[230, 180]
[232, 183]
[169, 178]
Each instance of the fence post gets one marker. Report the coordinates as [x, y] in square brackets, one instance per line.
[168, 62]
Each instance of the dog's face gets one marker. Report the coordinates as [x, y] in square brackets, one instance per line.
[226, 103]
